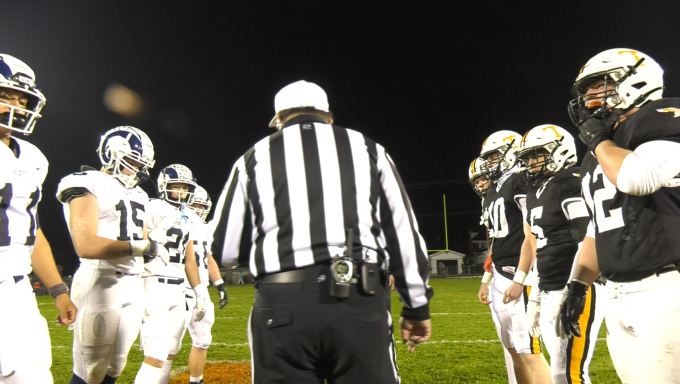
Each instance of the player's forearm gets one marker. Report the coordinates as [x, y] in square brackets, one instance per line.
[587, 268]
[95, 247]
[42, 261]
[191, 267]
[213, 269]
[610, 157]
[526, 257]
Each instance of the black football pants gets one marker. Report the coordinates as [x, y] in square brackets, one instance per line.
[300, 334]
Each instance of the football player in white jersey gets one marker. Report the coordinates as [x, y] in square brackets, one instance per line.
[105, 213]
[170, 224]
[25, 351]
[208, 270]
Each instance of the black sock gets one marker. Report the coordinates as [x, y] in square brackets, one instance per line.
[109, 380]
[77, 380]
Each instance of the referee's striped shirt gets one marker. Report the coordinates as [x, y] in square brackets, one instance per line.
[291, 198]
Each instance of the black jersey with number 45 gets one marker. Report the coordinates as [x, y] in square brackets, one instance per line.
[503, 210]
[558, 218]
[636, 236]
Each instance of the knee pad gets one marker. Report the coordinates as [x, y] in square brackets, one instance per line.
[202, 344]
[154, 340]
[116, 366]
[96, 361]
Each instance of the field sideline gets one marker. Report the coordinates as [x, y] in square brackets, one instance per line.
[464, 347]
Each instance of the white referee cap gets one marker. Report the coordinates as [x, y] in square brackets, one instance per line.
[297, 95]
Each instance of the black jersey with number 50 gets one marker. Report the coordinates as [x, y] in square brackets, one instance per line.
[558, 218]
[636, 236]
[503, 209]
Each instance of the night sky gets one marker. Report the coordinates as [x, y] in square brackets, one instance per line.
[427, 80]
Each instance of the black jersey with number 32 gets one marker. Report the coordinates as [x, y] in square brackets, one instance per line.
[636, 236]
[558, 218]
[503, 208]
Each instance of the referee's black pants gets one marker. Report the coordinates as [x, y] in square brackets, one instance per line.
[299, 334]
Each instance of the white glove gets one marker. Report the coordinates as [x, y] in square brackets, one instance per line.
[202, 299]
[559, 330]
[533, 314]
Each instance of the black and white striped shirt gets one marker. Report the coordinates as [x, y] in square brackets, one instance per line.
[290, 200]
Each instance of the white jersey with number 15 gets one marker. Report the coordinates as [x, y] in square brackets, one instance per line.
[121, 215]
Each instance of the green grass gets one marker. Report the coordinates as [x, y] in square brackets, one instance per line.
[463, 348]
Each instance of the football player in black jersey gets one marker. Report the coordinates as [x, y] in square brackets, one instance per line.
[629, 183]
[480, 182]
[557, 219]
[504, 206]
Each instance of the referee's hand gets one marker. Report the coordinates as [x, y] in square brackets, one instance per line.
[414, 332]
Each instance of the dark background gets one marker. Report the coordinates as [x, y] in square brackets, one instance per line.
[428, 80]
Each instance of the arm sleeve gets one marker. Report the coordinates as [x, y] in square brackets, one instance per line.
[574, 207]
[76, 185]
[521, 189]
[649, 167]
[405, 246]
[230, 219]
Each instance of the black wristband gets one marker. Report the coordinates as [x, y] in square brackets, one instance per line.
[58, 289]
[416, 314]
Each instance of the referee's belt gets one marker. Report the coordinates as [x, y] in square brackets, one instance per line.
[300, 276]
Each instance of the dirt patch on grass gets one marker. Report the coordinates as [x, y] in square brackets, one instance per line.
[223, 373]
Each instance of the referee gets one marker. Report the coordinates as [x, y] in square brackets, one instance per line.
[319, 213]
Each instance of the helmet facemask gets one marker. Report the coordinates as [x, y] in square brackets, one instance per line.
[598, 105]
[202, 203]
[496, 170]
[177, 174]
[135, 176]
[17, 77]
[477, 181]
[540, 170]
[184, 196]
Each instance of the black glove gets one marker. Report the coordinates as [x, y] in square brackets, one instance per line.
[573, 308]
[150, 251]
[593, 131]
[224, 298]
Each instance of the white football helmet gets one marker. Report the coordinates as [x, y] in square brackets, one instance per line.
[555, 142]
[17, 76]
[202, 198]
[475, 172]
[635, 79]
[504, 144]
[173, 174]
[127, 148]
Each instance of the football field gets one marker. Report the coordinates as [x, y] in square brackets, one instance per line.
[463, 348]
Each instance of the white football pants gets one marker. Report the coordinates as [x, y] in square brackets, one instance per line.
[164, 317]
[570, 358]
[512, 318]
[25, 350]
[201, 335]
[643, 319]
[110, 309]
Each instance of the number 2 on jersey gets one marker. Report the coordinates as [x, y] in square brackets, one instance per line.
[605, 220]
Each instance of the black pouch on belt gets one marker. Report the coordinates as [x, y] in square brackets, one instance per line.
[370, 278]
